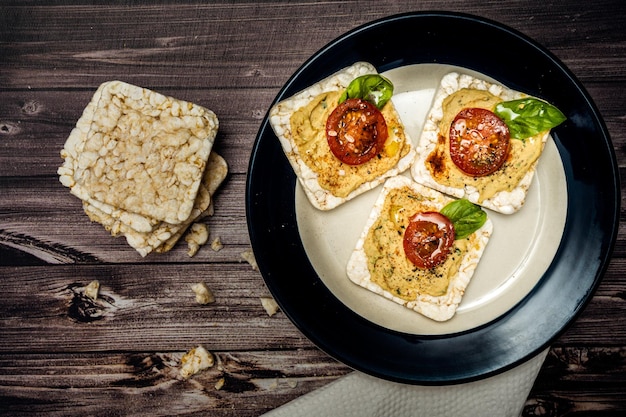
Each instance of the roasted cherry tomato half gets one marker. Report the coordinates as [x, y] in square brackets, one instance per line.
[479, 141]
[356, 131]
[428, 239]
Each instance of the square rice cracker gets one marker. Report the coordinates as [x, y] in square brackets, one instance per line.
[165, 235]
[77, 136]
[504, 201]
[438, 308]
[280, 115]
[139, 151]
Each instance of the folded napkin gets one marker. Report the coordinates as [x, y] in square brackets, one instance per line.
[361, 395]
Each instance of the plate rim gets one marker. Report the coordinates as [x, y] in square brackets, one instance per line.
[450, 374]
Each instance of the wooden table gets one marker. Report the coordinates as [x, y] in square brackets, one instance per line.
[62, 354]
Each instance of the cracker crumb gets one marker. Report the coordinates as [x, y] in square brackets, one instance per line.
[248, 256]
[270, 305]
[219, 384]
[197, 236]
[203, 294]
[92, 289]
[194, 361]
[216, 244]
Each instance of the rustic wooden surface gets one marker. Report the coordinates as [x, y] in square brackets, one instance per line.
[61, 354]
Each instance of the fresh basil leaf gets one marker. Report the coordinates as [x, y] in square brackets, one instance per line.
[466, 217]
[372, 87]
[528, 116]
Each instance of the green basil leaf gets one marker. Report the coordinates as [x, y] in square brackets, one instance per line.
[528, 116]
[466, 217]
[372, 87]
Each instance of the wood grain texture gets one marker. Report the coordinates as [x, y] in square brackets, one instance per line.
[64, 354]
[143, 383]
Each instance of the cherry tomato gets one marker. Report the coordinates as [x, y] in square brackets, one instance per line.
[479, 141]
[356, 131]
[428, 239]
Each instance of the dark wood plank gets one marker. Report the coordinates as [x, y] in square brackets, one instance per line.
[147, 41]
[568, 372]
[155, 300]
[144, 307]
[63, 354]
[149, 383]
[142, 383]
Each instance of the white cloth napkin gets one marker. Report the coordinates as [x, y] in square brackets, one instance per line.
[361, 395]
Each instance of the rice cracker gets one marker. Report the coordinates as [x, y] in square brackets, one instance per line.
[503, 191]
[138, 155]
[379, 264]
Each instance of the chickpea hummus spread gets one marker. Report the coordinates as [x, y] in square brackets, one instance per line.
[299, 123]
[308, 127]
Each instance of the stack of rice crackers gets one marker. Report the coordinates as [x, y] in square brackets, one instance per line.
[142, 164]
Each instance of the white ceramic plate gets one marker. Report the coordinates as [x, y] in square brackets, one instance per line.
[518, 254]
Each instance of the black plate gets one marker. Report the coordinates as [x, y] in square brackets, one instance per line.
[588, 239]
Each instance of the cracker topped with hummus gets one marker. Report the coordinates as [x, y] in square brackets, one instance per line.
[420, 248]
[482, 141]
[342, 135]
[142, 163]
